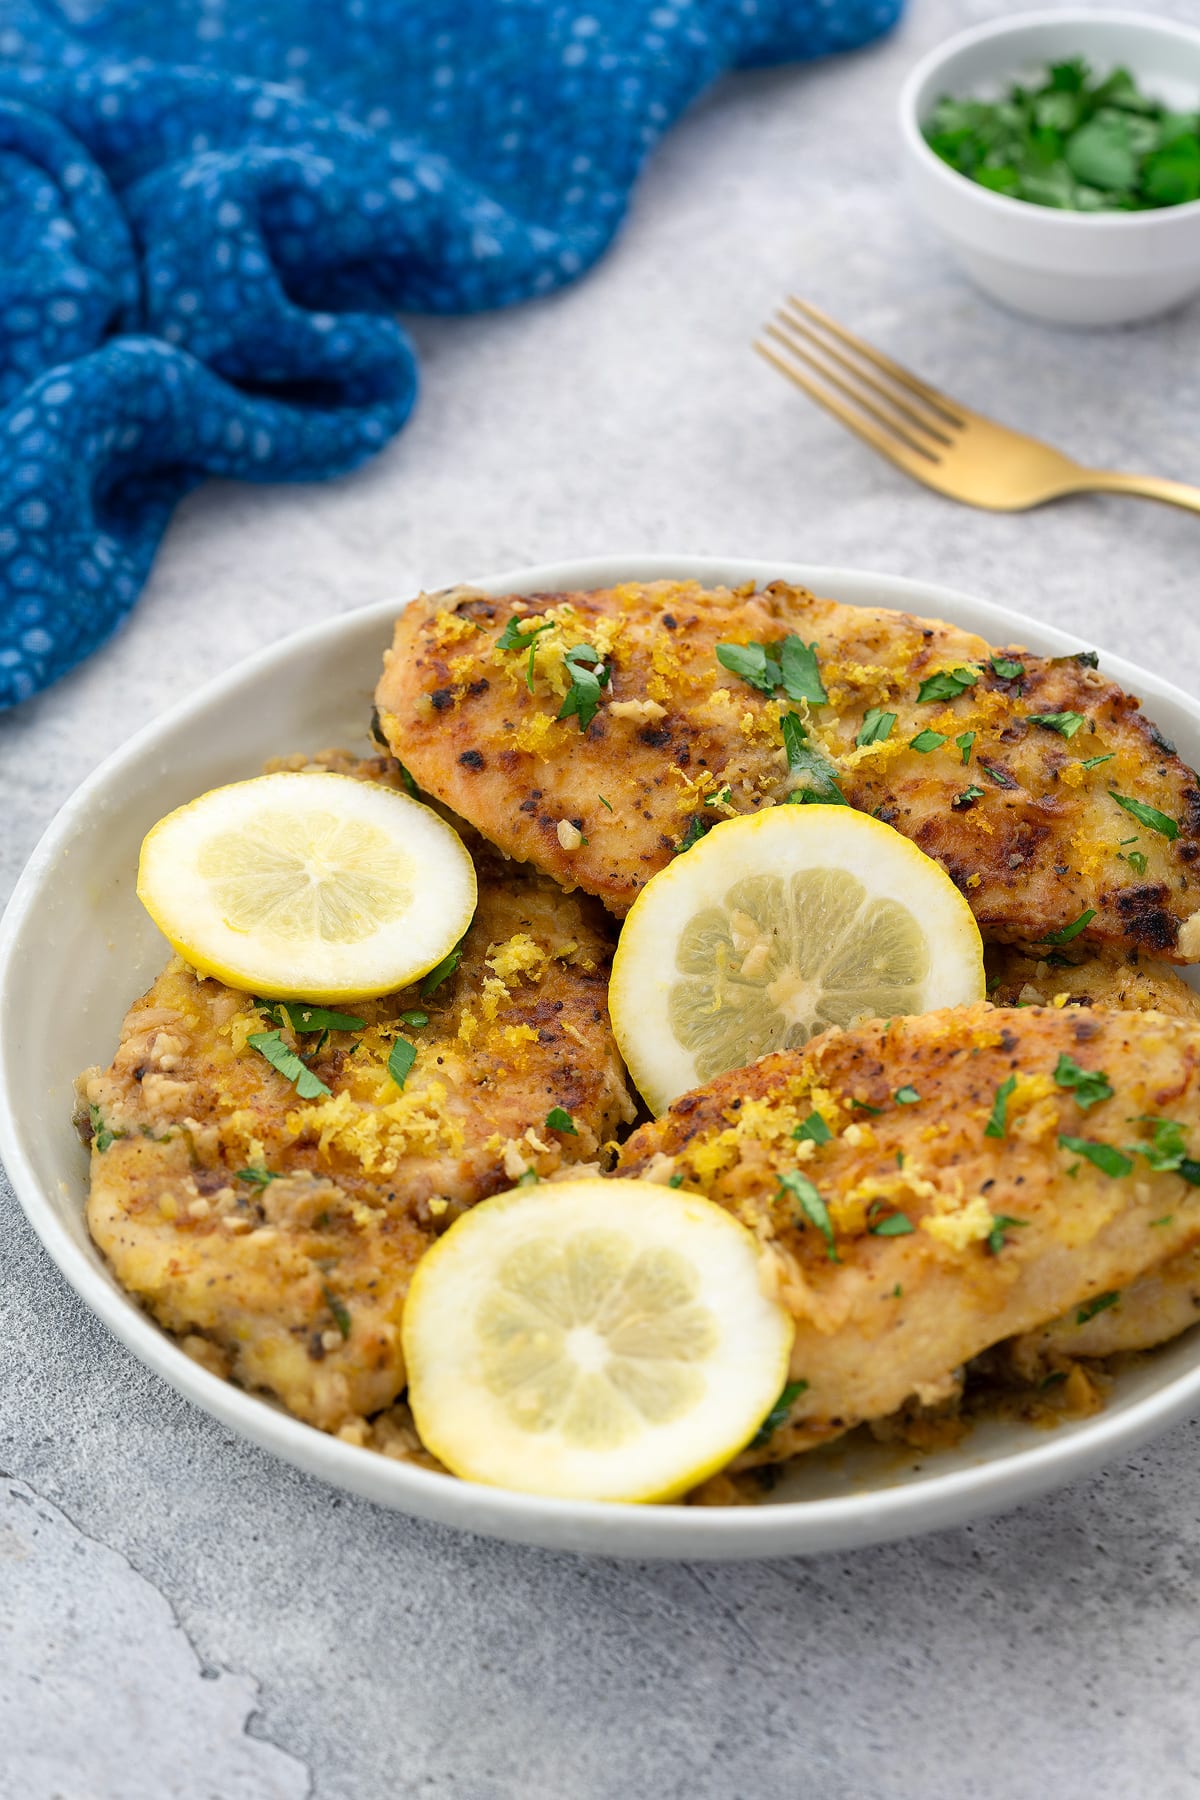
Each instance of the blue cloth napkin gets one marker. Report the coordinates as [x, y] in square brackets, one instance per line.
[210, 209]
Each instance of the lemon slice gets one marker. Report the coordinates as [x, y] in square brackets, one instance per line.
[774, 927]
[603, 1340]
[308, 886]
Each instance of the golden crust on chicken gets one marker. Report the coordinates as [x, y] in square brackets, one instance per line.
[1120, 980]
[277, 1234]
[1021, 788]
[928, 1187]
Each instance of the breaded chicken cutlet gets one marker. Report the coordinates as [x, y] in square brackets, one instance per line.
[1118, 981]
[1036, 782]
[927, 1188]
[277, 1235]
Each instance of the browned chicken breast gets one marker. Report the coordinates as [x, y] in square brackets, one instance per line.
[276, 1233]
[928, 1187]
[1123, 980]
[595, 734]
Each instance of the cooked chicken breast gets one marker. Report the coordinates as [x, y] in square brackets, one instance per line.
[928, 1187]
[1114, 979]
[1021, 789]
[276, 1234]
[1147, 1312]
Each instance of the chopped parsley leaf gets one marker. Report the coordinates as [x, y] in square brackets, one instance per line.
[802, 672]
[1136, 860]
[1065, 723]
[964, 740]
[998, 1122]
[676, 1181]
[964, 801]
[907, 1096]
[442, 971]
[925, 741]
[318, 1018]
[1051, 1380]
[340, 1311]
[896, 1224]
[997, 775]
[256, 1177]
[1105, 1157]
[1166, 1152]
[603, 801]
[1001, 1223]
[401, 1059]
[817, 780]
[415, 1019]
[899, 1159]
[876, 727]
[814, 1129]
[1149, 816]
[1165, 1220]
[513, 638]
[811, 1205]
[530, 1178]
[582, 699]
[947, 684]
[696, 828]
[1090, 1086]
[778, 1413]
[752, 663]
[720, 798]
[559, 1119]
[409, 780]
[862, 1105]
[270, 1045]
[796, 668]
[1100, 1304]
[1006, 668]
[1093, 762]
[1072, 930]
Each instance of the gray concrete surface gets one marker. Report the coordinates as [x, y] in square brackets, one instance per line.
[181, 1618]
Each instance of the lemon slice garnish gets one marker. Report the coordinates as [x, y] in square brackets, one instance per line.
[603, 1340]
[774, 927]
[308, 886]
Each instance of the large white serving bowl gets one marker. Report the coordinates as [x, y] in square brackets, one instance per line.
[76, 947]
[1068, 267]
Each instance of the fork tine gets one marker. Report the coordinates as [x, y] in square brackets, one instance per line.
[886, 445]
[950, 409]
[922, 421]
[891, 426]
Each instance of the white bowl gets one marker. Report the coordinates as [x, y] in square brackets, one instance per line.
[76, 947]
[1067, 267]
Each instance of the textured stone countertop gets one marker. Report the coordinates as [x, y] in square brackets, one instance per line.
[183, 1618]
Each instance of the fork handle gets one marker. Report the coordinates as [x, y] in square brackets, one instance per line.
[1143, 487]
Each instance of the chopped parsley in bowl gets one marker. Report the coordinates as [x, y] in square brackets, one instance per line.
[1069, 139]
[1058, 156]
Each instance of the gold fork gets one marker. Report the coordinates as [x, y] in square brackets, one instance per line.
[931, 437]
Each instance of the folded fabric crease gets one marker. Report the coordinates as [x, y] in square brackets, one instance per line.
[212, 208]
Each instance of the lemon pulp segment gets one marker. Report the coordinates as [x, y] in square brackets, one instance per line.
[309, 877]
[604, 1339]
[777, 926]
[309, 886]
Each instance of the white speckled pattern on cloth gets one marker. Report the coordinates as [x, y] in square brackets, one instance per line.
[1052, 1651]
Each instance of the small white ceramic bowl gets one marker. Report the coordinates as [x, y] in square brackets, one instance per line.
[1070, 268]
[76, 947]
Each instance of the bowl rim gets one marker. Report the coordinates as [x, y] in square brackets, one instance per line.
[1004, 206]
[672, 1530]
